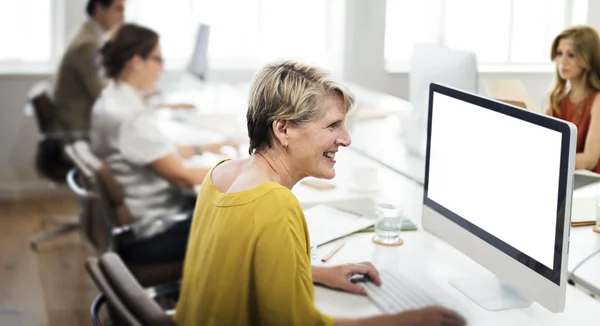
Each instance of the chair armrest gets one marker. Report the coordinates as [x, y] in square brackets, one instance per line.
[97, 304]
[76, 188]
[121, 230]
[125, 232]
[163, 289]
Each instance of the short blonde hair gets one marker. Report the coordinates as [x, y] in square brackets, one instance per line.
[289, 91]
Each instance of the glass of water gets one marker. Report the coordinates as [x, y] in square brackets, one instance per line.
[388, 223]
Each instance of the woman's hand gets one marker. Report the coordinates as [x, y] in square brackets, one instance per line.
[180, 106]
[185, 151]
[338, 276]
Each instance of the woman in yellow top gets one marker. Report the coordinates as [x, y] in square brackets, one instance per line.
[248, 257]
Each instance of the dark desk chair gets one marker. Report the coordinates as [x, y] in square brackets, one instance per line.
[127, 301]
[118, 216]
[51, 163]
[93, 219]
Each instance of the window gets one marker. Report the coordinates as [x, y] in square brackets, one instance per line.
[245, 33]
[579, 12]
[26, 31]
[500, 32]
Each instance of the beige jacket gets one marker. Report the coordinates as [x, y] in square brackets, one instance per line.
[78, 81]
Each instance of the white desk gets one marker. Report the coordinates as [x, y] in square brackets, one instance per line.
[588, 275]
[378, 140]
[381, 139]
[584, 244]
[423, 257]
[584, 241]
[431, 263]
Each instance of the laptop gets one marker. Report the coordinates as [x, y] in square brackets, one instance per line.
[583, 178]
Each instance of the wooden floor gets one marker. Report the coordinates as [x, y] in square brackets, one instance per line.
[47, 287]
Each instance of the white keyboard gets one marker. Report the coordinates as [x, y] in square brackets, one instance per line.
[397, 293]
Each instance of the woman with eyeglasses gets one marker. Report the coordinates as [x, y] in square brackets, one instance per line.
[149, 168]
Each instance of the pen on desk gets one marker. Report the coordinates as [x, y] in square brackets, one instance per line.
[332, 252]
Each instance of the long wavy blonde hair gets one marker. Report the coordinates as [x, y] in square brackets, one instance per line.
[586, 48]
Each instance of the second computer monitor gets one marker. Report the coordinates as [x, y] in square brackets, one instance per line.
[198, 65]
[498, 187]
[432, 63]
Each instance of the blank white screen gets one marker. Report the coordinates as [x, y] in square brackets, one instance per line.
[497, 172]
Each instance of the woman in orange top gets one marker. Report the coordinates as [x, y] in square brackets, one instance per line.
[576, 52]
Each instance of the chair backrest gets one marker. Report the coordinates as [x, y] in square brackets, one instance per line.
[127, 291]
[108, 187]
[120, 311]
[512, 90]
[51, 163]
[515, 103]
[115, 208]
[50, 160]
[96, 223]
[45, 113]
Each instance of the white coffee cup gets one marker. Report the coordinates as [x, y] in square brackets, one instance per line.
[364, 177]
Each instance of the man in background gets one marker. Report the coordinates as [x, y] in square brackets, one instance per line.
[79, 82]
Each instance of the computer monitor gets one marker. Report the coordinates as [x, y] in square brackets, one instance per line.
[198, 64]
[433, 63]
[498, 187]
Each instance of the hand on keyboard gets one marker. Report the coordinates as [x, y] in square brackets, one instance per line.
[429, 316]
[337, 277]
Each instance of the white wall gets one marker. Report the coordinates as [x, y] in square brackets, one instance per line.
[365, 26]
[363, 64]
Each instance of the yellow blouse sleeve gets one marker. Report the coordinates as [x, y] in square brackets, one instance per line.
[283, 277]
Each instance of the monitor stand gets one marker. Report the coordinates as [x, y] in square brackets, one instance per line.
[490, 293]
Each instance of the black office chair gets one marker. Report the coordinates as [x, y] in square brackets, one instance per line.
[51, 162]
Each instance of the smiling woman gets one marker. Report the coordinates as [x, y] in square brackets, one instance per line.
[297, 113]
[248, 257]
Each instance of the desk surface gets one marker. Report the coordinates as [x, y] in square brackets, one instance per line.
[584, 242]
[588, 275]
[423, 257]
[430, 263]
[379, 140]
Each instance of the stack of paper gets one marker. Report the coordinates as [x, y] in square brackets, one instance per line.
[326, 223]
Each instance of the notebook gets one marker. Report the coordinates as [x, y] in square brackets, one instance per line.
[326, 223]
